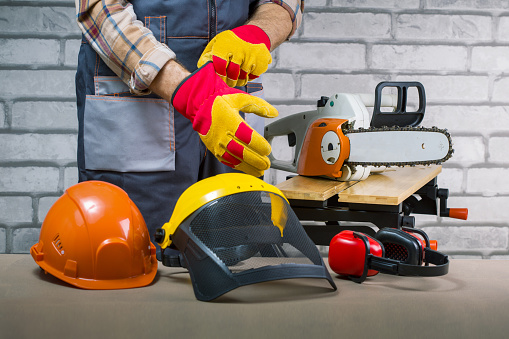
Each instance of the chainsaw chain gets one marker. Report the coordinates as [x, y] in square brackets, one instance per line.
[398, 128]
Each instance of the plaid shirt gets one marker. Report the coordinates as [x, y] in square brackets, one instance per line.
[130, 49]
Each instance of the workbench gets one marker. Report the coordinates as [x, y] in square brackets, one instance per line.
[382, 200]
[471, 301]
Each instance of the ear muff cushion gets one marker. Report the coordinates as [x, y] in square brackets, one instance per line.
[400, 245]
[347, 254]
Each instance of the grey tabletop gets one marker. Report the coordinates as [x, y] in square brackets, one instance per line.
[472, 301]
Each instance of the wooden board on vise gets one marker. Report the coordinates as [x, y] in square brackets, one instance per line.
[390, 187]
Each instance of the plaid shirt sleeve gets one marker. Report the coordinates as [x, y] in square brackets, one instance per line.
[294, 8]
[125, 45]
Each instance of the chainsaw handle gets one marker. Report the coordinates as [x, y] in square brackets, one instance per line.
[294, 127]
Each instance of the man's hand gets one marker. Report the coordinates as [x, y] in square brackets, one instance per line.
[213, 108]
[239, 55]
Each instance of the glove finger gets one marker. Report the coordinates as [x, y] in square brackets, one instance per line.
[251, 104]
[232, 74]
[249, 170]
[252, 141]
[245, 166]
[220, 66]
[252, 163]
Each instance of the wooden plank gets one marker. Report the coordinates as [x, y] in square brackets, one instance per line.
[390, 187]
[312, 188]
[387, 188]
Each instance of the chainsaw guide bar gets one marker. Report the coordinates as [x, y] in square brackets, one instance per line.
[350, 133]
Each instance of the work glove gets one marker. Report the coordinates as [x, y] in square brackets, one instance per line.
[239, 55]
[213, 108]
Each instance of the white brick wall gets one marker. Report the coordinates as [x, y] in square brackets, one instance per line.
[457, 49]
[39, 42]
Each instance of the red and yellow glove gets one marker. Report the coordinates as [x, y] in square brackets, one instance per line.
[213, 109]
[239, 55]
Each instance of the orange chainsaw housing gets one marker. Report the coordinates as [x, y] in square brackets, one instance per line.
[311, 162]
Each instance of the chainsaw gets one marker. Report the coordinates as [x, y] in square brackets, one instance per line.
[339, 141]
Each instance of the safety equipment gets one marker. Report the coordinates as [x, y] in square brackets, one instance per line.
[94, 237]
[234, 229]
[239, 55]
[392, 251]
[213, 108]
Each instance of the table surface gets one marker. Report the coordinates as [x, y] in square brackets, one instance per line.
[472, 301]
[391, 187]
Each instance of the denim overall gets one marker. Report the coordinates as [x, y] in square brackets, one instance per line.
[140, 143]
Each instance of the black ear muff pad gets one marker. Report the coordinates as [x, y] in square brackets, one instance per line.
[400, 246]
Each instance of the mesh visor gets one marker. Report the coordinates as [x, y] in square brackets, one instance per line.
[246, 238]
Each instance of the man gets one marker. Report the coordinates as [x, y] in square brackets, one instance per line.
[149, 125]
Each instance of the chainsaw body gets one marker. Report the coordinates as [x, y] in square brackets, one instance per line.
[340, 140]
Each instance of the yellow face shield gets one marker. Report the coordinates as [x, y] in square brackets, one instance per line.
[246, 234]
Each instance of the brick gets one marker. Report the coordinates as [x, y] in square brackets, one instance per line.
[322, 56]
[452, 88]
[29, 179]
[45, 204]
[20, 19]
[24, 238]
[500, 86]
[376, 3]
[468, 150]
[346, 25]
[500, 257]
[70, 177]
[443, 27]
[499, 149]
[37, 83]
[490, 59]
[2, 115]
[316, 85]
[469, 238]
[29, 51]
[503, 28]
[315, 3]
[488, 181]
[416, 57]
[3, 239]
[467, 4]
[38, 147]
[474, 119]
[278, 86]
[37, 115]
[72, 48]
[452, 179]
[15, 209]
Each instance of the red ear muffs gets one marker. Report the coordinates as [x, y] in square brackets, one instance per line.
[393, 251]
[347, 253]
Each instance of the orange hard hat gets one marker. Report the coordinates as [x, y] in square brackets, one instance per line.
[95, 237]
